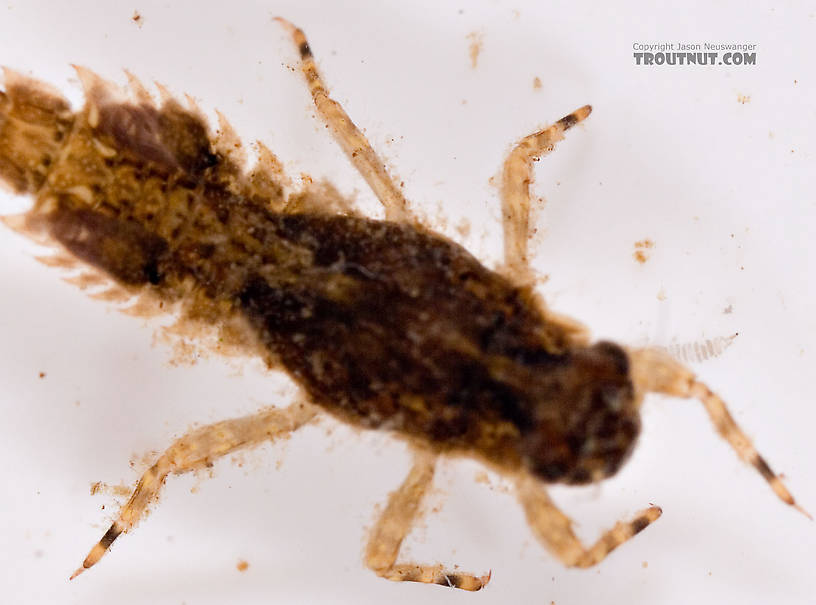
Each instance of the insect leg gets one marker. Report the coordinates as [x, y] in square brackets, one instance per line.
[395, 523]
[654, 371]
[347, 135]
[195, 450]
[517, 177]
[554, 529]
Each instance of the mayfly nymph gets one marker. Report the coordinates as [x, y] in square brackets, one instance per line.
[384, 324]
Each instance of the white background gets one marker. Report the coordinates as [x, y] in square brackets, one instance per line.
[725, 190]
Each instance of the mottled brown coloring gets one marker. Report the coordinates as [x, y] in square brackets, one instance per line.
[384, 324]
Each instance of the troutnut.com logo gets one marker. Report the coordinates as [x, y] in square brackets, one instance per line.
[695, 53]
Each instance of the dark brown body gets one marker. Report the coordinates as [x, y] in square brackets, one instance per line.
[383, 324]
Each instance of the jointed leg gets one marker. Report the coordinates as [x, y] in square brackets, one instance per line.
[554, 528]
[654, 371]
[196, 450]
[395, 523]
[347, 135]
[516, 179]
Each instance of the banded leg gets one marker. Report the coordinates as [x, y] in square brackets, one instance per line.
[347, 135]
[654, 371]
[395, 523]
[517, 176]
[198, 449]
[554, 529]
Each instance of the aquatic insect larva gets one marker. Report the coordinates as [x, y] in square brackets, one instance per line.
[383, 323]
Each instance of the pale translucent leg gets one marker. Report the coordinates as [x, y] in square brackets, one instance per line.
[516, 179]
[654, 371]
[395, 523]
[347, 135]
[199, 449]
[554, 529]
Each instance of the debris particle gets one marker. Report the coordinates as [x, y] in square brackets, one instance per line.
[641, 247]
[728, 310]
[242, 565]
[661, 294]
[536, 83]
[645, 564]
[475, 47]
[463, 228]
[137, 18]
[744, 99]
[42, 374]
